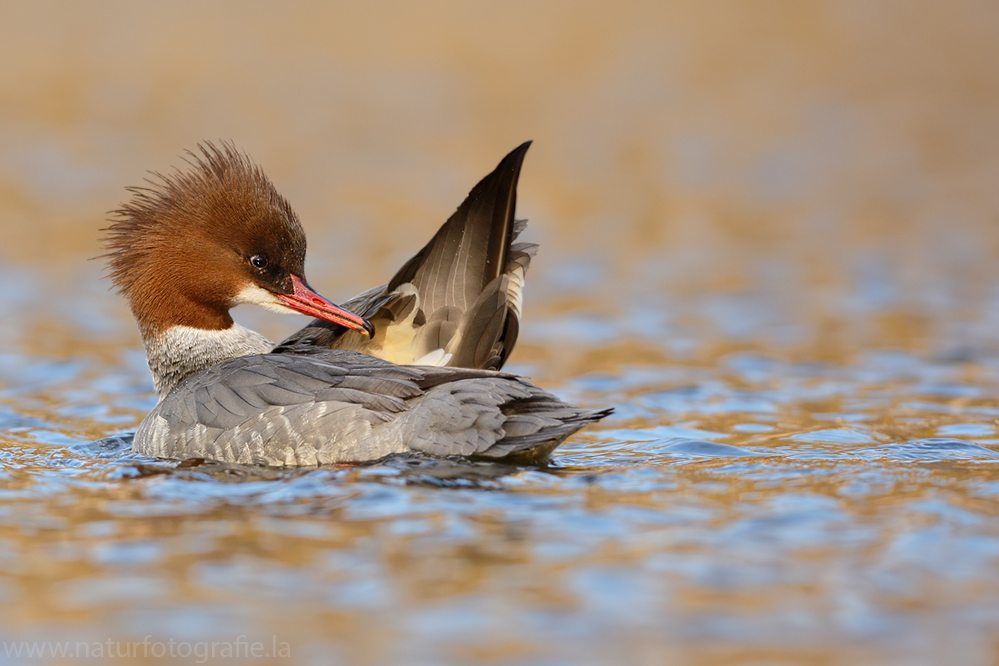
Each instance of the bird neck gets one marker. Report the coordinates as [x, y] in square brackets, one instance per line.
[177, 352]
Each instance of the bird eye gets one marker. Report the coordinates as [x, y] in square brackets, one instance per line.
[258, 261]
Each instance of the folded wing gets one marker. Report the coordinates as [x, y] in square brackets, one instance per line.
[311, 407]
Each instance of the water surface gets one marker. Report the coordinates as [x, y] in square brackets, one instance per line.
[768, 241]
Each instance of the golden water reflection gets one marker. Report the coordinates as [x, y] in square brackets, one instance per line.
[768, 240]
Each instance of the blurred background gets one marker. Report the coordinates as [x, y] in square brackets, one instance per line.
[721, 166]
[771, 225]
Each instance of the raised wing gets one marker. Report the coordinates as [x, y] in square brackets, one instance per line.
[461, 294]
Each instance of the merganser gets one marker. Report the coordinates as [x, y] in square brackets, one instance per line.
[193, 245]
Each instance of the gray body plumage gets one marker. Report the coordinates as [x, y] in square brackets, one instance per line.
[460, 295]
[314, 406]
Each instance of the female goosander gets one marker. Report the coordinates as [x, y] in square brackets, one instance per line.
[189, 248]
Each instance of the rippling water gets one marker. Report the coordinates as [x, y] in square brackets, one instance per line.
[768, 241]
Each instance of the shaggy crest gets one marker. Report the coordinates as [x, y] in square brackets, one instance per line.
[165, 245]
[221, 180]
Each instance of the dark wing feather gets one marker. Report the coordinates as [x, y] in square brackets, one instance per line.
[466, 282]
[469, 251]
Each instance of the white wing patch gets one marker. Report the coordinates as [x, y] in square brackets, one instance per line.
[438, 358]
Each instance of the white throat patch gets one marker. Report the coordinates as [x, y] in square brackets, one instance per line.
[183, 350]
[255, 295]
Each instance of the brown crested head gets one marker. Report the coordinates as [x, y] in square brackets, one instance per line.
[183, 249]
[195, 243]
